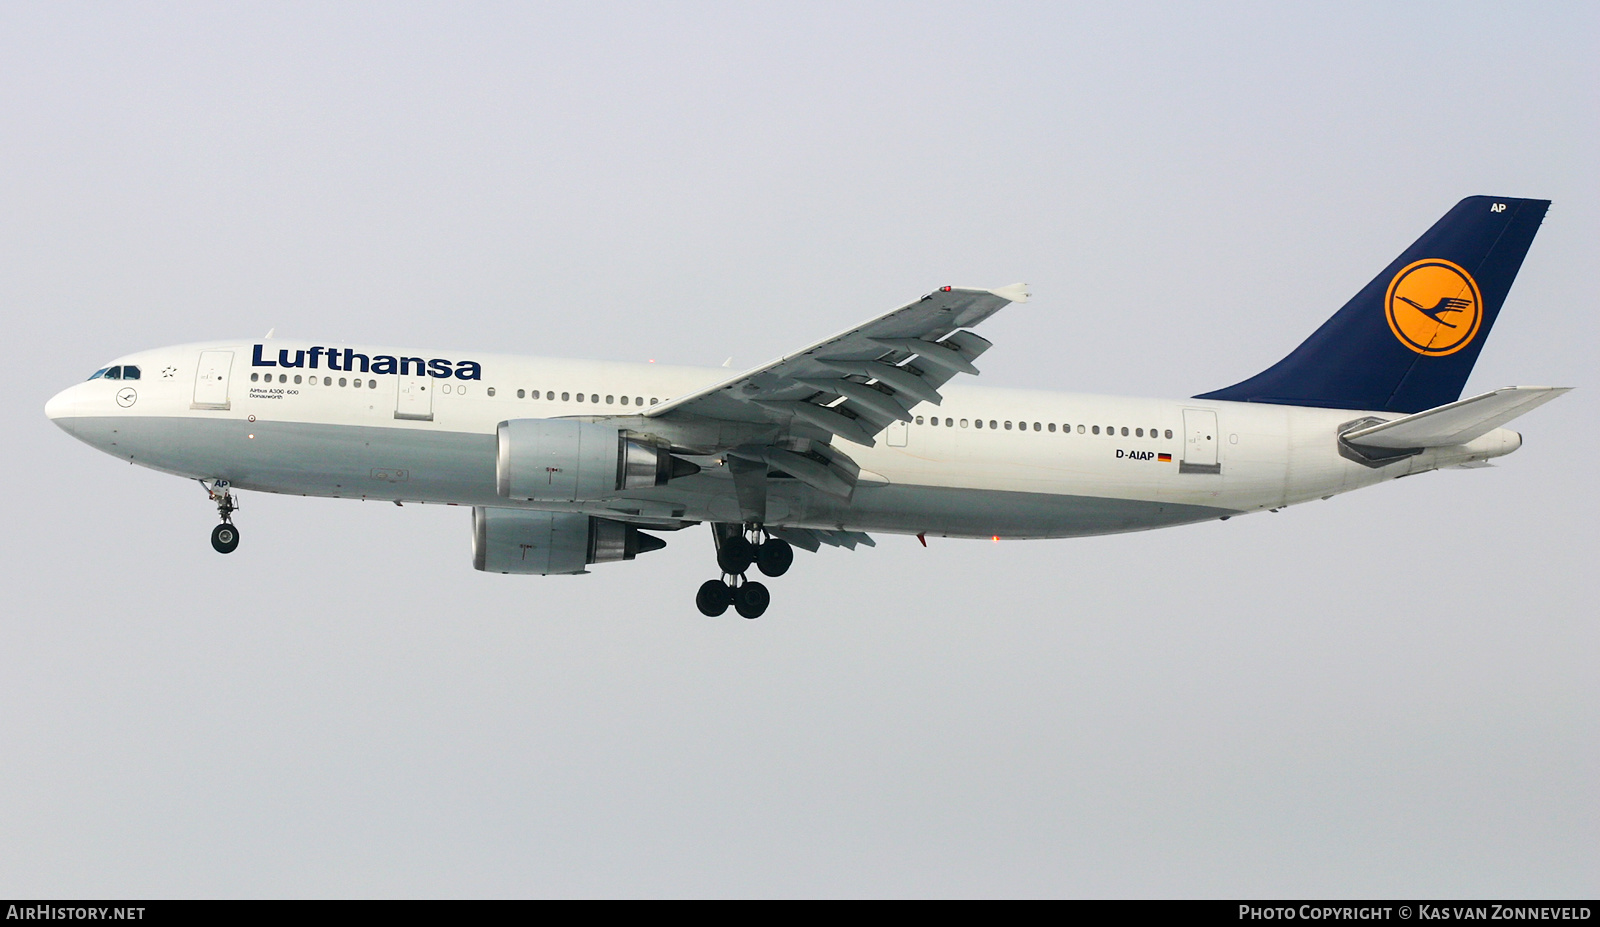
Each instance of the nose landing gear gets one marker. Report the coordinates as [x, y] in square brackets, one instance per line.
[224, 537]
[738, 548]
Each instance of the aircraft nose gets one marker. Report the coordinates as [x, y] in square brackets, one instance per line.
[59, 408]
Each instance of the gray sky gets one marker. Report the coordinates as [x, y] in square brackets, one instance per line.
[1392, 693]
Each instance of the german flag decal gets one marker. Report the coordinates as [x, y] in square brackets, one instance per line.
[1164, 458]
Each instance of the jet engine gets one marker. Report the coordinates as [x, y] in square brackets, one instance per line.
[542, 543]
[559, 460]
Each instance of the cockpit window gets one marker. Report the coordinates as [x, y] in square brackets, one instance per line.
[125, 372]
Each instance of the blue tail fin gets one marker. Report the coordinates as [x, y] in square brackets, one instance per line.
[1408, 340]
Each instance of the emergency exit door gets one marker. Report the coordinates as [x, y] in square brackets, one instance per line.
[1199, 442]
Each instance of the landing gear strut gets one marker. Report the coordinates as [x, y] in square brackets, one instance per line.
[738, 548]
[224, 537]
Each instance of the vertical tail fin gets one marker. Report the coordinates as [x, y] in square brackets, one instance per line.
[1408, 340]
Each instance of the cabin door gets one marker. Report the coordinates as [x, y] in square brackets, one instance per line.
[211, 380]
[1199, 442]
[415, 400]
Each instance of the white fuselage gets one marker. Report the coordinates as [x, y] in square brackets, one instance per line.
[1042, 464]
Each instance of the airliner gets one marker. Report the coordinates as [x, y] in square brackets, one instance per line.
[570, 463]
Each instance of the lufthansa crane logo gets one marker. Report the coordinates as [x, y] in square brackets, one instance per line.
[1434, 307]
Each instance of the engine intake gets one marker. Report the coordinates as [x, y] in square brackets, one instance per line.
[545, 543]
[559, 460]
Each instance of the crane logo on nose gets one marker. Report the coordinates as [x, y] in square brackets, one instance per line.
[1434, 307]
[127, 396]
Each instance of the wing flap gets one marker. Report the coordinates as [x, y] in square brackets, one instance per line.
[1457, 422]
[856, 383]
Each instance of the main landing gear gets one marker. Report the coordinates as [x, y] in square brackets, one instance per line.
[224, 537]
[739, 548]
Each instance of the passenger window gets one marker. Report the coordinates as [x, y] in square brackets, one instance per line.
[1096, 429]
[342, 382]
[580, 397]
[253, 377]
[919, 420]
[977, 423]
[1169, 432]
[297, 379]
[491, 391]
[638, 400]
[521, 393]
[130, 373]
[1138, 432]
[963, 423]
[1036, 427]
[611, 400]
[594, 397]
[1124, 431]
[1052, 427]
[624, 400]
[1008, 426]
[566, 397]
[992, 424]
[372, 384]
[652, 400]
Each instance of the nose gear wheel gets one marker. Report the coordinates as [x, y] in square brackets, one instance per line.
[225, 538]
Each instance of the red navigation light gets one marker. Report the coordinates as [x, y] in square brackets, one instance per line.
[944, 289]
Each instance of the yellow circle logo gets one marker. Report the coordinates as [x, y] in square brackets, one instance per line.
[1434, 307]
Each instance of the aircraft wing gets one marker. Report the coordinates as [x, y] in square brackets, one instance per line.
[854, 384]
[1456, 422]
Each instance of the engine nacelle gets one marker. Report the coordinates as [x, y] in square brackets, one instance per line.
[558, 460]
[518, 541]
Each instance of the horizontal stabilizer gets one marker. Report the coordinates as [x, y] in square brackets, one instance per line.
[1456, 422]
